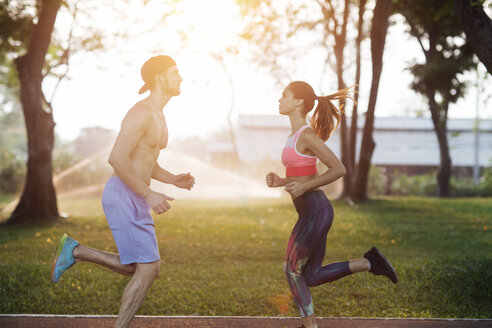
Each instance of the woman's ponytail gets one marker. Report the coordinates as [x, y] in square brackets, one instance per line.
[327, 116]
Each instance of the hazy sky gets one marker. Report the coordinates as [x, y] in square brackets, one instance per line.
[102, 88]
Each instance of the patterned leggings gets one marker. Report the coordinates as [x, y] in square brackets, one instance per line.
[306, 250]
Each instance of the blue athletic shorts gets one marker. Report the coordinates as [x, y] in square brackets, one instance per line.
[129, 218]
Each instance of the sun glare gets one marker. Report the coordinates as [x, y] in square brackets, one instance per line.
[177, 23]
[206, 24]
[211, 15]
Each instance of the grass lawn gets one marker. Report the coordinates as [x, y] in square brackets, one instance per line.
[223, 257]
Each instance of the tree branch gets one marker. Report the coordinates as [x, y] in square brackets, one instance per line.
[327, 14]
[478, 29]
[416, 34]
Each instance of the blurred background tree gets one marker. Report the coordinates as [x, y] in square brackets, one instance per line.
[35, 57]
[478, 28]
[379, 29]
[435, 24]
[28, 47]
[284, 33]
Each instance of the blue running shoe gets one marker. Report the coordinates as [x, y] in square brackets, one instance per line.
[64, 257]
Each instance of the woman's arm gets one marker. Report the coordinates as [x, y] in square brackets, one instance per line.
[273, 180]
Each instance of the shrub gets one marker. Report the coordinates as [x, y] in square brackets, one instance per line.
[464, 187]
[62, 160]
[376, 184]
[12, 172]
[486, 183]
[416, 185]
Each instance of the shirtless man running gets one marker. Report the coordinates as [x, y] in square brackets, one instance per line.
[127, 196]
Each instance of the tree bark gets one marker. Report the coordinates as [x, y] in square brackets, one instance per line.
[344, 149]
[353, 123]
[440, 126]
[382, 12]
[427, 87]
[478, 29]
[38, 201]
[340, 41]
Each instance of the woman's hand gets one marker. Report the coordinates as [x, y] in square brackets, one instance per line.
[273, 180]
[295, 189]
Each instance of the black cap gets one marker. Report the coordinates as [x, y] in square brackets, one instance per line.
[152, 67]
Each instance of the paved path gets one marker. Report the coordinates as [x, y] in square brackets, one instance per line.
[79, 321]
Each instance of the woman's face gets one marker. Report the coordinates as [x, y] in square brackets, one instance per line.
[287, 103]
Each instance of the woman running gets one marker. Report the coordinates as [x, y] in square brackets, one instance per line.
[307, 243]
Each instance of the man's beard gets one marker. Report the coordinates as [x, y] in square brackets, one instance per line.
[171, 91]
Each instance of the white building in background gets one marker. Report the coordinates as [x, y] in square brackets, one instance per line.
[400, 142]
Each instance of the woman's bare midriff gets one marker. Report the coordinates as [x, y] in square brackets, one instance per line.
[303, 179]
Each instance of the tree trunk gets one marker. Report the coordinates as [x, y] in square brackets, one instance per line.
[478, 29]
[382, 11]
[38, 201]
[344, 149]
[340, 41]
[353, 123]
[440, 126]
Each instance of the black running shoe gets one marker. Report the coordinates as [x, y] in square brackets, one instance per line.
[380, 265]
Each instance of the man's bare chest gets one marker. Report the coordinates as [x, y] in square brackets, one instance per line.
[157, 134]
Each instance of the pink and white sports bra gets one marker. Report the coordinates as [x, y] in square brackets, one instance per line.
[297, 164]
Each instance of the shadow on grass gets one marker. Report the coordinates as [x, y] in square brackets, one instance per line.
[13, 231]
[458, 286]
[29, 290]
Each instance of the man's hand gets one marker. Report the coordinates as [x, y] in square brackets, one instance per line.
[158, 202]
[273, 180]
[184, 181]
[295, 188]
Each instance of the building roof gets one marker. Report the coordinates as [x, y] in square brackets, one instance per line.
[380, 123]
[399, 141]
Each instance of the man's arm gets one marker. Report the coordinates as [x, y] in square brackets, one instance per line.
[162, 175]
[184, 180]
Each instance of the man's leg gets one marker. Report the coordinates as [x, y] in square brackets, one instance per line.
[106, 259]
[135, 291]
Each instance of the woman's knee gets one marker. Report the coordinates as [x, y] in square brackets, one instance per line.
[290, 271]
[310, 279]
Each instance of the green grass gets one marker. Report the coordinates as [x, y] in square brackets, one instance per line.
[222, 257]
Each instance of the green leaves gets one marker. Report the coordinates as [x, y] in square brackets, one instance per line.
[436, 26]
